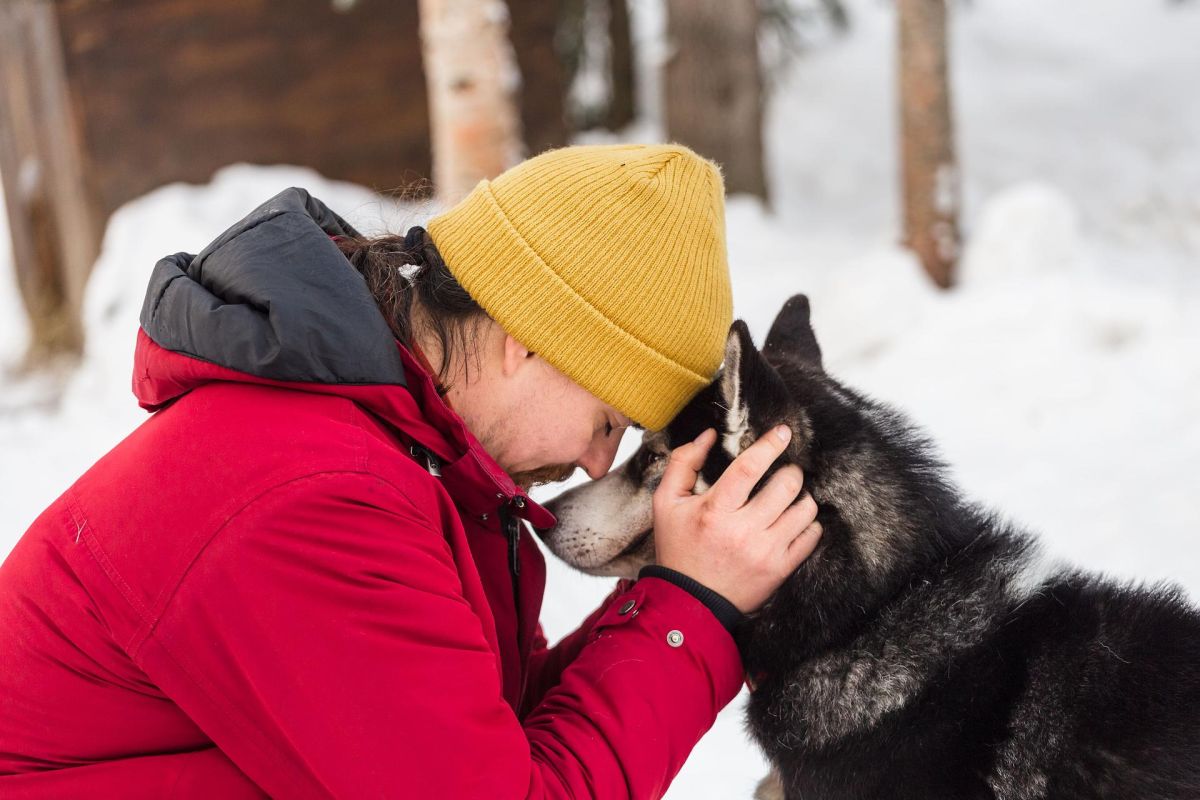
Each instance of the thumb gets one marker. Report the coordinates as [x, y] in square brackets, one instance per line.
[679, 478]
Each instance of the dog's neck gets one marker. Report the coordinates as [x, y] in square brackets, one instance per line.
[877, 487]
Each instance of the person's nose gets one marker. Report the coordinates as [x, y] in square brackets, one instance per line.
[598, 459]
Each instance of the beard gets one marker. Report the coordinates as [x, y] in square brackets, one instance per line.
[552, 473]
[494, 437]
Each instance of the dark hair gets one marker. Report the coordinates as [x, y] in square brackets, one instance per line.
[401, 269]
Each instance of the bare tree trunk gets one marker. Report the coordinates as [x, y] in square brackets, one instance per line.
[472, 77]
[543, 91]
[622, 101]
[53, 229]
[930, 169]
[837, 14]
[713, 86]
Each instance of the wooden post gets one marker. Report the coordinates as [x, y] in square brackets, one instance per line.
[622, 103]
[713, 87]
[54, 233]
[542, 92]
[930, 169]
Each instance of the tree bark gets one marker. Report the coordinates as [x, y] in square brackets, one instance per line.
[713, 86]
[543, 82]
[473, 79]
[54, 231]
[622, 101]
[929, 167]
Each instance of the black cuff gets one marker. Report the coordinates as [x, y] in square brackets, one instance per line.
[725, 612]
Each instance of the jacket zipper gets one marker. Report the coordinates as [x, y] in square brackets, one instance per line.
[512, 532]
[509, 524]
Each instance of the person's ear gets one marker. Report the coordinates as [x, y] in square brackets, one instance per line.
[515, 355]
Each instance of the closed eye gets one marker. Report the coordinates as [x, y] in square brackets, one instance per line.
[610, 427]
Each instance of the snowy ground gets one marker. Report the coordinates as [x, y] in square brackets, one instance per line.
[1062, 378]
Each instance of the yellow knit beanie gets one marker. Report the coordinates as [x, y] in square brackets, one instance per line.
[609, 262]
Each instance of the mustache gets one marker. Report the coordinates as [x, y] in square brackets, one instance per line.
[552, 473]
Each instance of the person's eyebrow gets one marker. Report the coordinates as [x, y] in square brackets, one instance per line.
[628, 423]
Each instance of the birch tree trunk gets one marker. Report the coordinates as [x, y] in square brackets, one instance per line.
[55, 236]
[930, 169]
[713, 86]
[472, 78]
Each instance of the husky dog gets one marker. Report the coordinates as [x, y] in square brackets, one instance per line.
[925, 649]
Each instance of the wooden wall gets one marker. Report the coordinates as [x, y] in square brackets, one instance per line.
[104, 100]
[166, 90]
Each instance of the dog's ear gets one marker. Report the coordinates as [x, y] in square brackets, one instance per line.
[751, 392]
[791, 335]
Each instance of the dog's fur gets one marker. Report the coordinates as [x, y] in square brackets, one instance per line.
[926, 649]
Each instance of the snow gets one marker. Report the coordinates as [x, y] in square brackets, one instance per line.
[1061, 377]
[53, 428]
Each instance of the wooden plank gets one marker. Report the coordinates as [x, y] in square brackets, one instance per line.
[53, 228]
[170, 90]
[543, 85]
[712, 87]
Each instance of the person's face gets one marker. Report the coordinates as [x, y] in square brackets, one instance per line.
[535, 421]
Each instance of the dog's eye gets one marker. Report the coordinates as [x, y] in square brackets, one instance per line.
[656, 445]
[608, 429]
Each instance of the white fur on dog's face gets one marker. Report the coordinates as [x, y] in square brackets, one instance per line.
[605, 527]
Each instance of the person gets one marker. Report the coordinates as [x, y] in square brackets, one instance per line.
[307, 574]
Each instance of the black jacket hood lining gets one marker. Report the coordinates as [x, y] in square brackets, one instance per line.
[275, 298]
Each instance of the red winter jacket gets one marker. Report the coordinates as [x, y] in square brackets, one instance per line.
[261, 590]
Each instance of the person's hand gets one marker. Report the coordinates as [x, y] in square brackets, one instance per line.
[741, 550]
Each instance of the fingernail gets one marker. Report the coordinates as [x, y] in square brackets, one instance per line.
[783, 432]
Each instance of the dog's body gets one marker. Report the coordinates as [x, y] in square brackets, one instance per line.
[926, 649]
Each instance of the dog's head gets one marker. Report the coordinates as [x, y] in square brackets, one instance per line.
[885, 506]
[605, 527]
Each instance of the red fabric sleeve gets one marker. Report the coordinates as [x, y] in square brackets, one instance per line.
[547, 663]
[323, 642]
[198, 775]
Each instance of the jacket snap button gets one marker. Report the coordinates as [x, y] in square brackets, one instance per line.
[627, 607]
[674, 638]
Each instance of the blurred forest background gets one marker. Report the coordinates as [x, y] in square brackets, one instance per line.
[103, 101]
[993, 204]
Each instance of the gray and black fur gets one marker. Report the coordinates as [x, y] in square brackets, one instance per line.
[925, 649]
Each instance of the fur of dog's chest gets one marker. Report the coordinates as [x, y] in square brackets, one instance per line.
[1046, 696]
[862, 726]
[911, 698]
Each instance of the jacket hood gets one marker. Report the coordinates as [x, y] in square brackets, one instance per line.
[273, 297]
[273, 301]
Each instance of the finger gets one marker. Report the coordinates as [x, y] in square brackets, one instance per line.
[679, 478]
[803, 545]
[730, 491]
[779, 493]
[795, 520]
